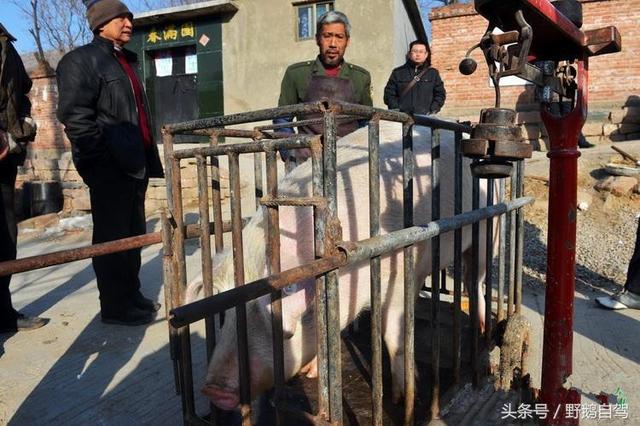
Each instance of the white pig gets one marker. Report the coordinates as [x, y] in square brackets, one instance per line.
[296, 232]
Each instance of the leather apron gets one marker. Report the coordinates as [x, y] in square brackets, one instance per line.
[321, 88]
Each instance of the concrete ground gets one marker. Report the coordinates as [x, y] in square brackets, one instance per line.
[78, 371]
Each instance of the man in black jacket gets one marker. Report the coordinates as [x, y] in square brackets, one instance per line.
[16, 129]
[104, 109]
[415, 87]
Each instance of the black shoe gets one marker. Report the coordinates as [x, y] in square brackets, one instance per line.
[139, 301]
[24, 323]
[583, 143]
[132, 316]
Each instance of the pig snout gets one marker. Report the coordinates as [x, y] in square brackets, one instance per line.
[224, 398]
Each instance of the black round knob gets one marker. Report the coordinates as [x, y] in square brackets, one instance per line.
[467, 66]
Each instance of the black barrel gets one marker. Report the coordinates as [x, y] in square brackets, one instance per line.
[42, 197]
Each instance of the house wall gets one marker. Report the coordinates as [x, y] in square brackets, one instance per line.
[614, 79]
[260, 42]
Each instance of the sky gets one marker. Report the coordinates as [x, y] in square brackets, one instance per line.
[18, 25]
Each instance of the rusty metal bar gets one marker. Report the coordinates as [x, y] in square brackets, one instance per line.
[179, 273]
[488, 296]
[273, 255]
[65, 256]
[319, 221]
[376, 297]
[473, 285]
[247, 117]
[366, 112]
[457, 262]
[216, 197]
[257, 177]
[437, 123]
[292, 142]
[207, 264]
[435, 276]
[205, 247]
[239, 133]
[167, 251]
[502, 273]
[298, 123]
[331, 280]
[409, 277]
[348, 253]
[298, 201]
[519, 236]
[511, 233]
[238, 263]
[199, 309]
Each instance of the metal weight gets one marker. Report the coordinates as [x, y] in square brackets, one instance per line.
[495, 142]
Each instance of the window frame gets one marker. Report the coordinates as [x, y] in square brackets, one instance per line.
[313, 4]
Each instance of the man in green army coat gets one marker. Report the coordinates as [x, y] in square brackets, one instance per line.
[328, 76]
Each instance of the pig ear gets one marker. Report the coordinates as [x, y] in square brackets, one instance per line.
[194, 289]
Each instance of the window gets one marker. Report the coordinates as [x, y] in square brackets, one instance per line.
[307, 15]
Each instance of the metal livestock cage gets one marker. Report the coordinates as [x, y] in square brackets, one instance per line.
[503, 295]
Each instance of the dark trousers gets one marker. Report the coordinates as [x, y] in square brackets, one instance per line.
[8, 236]
[117, 208]
[633, 274]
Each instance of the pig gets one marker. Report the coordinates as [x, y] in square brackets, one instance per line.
[296, 232]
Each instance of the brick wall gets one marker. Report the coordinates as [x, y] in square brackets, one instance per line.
[49, 158]
[614, 86]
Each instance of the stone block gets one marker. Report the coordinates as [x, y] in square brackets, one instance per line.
[616, 116]
[617, 185]
[81, 204]
[40, 222]
[608, 128]
[592, 128]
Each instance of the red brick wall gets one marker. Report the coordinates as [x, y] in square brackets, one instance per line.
[614, 78]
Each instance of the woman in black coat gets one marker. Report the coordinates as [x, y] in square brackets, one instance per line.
[415, 87]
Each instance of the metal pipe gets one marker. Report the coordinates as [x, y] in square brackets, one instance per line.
[247, 117]
[502, 255]
[11, 267]
[512, 250]
[319, 222]
[457, 262]
[376, 246]
[299, 123]
[561, 242]
[331, 280]
[273, 256]
[257, 177]
[437, 123]
[167, 252]
[179, 273]
[519, 236]
[409, 277]
[488, 297]
[205, 247]
[216, 198]
[348, 253]
[376, 297]
[435, 276]
[474, 285]
[238, 264]
[292, 142]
